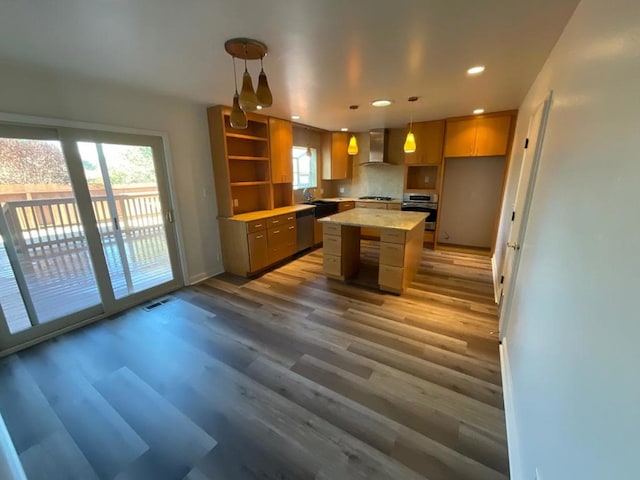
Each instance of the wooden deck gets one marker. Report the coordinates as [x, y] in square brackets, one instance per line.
[61, 278]
[289, 375]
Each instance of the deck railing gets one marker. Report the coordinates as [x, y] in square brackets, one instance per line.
[38, 224]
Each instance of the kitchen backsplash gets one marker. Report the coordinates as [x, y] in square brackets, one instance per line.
[383, 180]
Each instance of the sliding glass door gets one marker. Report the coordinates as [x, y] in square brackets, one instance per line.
[86, 227]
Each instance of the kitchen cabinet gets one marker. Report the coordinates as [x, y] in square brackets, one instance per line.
[478, 136]
[281, 144]
[429, 143]
[258, 258]
[240, 162]
[335, 159]
[254, 241]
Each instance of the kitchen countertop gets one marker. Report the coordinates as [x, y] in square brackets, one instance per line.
[351, 199]
[366, 217]
[262, 214]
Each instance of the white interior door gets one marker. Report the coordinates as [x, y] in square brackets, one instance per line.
[524, 193]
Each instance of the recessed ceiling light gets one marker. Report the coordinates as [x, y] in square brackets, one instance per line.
[476, 70]
[344, 129]
[295, 117]
[478, 111]
[381, 103]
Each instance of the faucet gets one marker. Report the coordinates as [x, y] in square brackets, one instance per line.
[307, 195]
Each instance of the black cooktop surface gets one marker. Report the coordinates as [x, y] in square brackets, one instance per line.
[383, 199]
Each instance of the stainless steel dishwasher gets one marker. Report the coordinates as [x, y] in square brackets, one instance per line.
[304, 229]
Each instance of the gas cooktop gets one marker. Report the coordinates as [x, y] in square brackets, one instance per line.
[382, 199]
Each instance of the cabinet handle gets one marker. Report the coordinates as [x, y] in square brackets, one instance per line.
[276, 231]
[259, 236]
[291, 227]
[290, 218]
[275, 221]
[257, 226]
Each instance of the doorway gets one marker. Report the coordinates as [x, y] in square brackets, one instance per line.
[86, 228]
[521, 206]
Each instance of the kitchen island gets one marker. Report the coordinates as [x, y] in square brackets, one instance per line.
[401, 236]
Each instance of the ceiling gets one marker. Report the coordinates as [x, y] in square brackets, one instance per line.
[324, 55]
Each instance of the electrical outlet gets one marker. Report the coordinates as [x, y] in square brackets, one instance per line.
[341, 189]
[235, 202]
[426, 179]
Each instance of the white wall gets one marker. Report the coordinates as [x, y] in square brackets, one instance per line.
[30, 91]
[573, 335]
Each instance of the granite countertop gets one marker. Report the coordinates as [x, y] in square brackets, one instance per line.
[352, 199]
[262, 214]
[367, 217]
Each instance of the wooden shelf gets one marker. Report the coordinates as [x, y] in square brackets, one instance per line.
[249, 184]
[248, 158]
[246, 137]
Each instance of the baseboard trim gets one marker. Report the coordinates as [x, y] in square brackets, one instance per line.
[496, 279]
[193, 279]
[515, 465]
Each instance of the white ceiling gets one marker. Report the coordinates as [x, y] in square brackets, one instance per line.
[324, 54]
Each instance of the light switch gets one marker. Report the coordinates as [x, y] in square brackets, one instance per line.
[235, 202]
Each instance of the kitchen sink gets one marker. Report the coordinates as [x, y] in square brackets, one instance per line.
[324, 207]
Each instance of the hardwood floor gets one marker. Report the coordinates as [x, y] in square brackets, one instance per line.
[286, 376]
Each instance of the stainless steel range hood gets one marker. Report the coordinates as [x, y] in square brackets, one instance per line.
[378, 147]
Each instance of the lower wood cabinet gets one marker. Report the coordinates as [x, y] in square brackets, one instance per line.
[258, 257]
[249, 247]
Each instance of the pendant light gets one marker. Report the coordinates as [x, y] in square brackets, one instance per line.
[263, 92]
[237, 119]
[249, 99]
[352, 149]
[410, 141]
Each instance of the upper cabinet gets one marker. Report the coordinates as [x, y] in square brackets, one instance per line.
[335, 159]
[429, 137]
[478, 136]
[281, 144]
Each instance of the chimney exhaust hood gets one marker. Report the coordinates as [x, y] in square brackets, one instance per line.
[378, 147]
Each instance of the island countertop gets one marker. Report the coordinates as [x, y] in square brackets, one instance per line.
[366, 217]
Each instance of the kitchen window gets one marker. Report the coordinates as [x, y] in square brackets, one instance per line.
[305, 171]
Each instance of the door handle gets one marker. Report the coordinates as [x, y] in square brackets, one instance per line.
[514, 245]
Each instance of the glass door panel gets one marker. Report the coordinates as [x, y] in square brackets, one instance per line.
[44, 256]
[126, 202]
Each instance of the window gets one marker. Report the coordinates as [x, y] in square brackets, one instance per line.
[305, 172]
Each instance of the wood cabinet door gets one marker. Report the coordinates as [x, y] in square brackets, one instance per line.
[281, 144]
[429, 143]
[317, 232]
[335, 159]
[258, 253]
[460, 138]
[493, 136]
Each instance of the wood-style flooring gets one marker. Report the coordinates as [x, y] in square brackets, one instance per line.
[286, 376]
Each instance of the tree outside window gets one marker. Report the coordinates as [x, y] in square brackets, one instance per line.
[305, 172]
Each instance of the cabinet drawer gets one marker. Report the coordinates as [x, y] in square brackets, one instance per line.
[392, 254]
[332, 245]
[281, 220]
[332, 265]
[394, 206]
[392, 236]
[342, 206]
[256, 225]
[391, 276]
[378, 206]
[332, 229]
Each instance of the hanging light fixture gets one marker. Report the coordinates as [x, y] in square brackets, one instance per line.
[410, 141]
[237, 119]
[352, 148]
[263, 92]
[249, 49]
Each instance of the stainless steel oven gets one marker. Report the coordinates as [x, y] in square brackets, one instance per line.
[419, 202]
